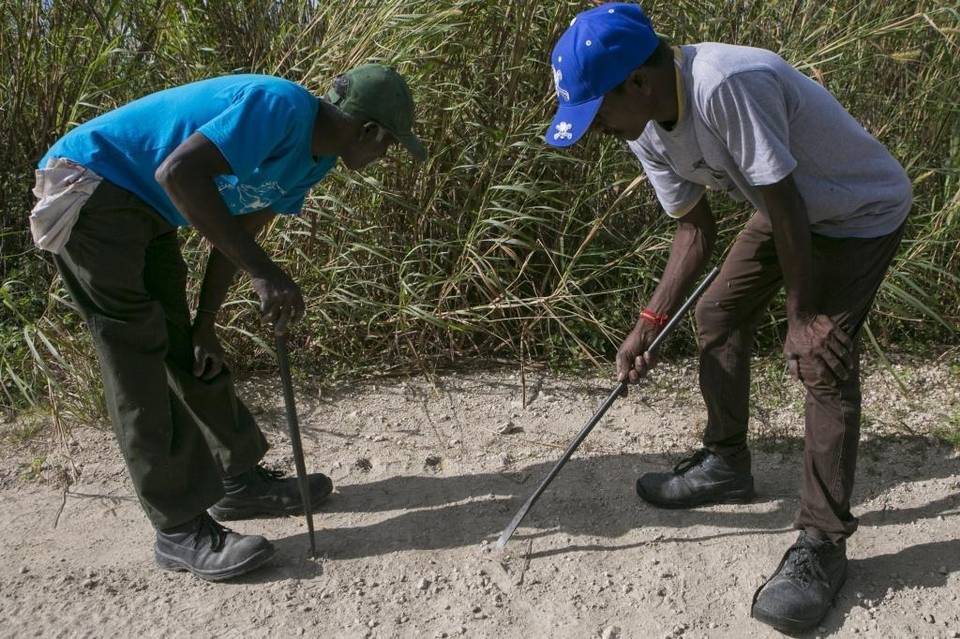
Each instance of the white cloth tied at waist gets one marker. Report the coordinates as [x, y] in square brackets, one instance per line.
[61, 190]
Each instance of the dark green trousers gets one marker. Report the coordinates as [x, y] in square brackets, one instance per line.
[179, 434]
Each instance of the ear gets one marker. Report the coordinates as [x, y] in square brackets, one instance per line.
[638, 79]
[368, 131]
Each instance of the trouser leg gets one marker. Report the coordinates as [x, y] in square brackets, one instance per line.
[727, 316]
[226, 424]
[849, 272]
[117, 245]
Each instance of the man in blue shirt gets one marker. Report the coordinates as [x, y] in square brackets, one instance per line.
[224, 156]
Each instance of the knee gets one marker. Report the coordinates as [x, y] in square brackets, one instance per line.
[712, 321]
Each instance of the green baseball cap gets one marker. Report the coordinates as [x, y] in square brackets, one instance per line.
[377, 92]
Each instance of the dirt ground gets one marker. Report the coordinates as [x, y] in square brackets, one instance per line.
[428, 472]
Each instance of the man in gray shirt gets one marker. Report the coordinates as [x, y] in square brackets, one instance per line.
[831, 203]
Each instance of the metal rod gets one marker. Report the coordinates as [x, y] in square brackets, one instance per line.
[598, 415]
[293, 426]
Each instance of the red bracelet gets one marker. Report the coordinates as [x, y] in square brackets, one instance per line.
[656, 319]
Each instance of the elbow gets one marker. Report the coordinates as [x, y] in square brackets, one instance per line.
[171, 171]
[166, 172]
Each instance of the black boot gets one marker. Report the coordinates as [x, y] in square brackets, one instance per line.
[265, 493]
[703, 478]
[802, 589]
[210, 551]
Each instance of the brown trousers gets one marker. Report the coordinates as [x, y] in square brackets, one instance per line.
[848, 273]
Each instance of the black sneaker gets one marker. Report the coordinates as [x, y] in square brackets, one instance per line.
[210, 551]
[703, 478]
[802, 589]
[266, 493]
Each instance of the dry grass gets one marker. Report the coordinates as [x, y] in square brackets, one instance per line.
[499, 245]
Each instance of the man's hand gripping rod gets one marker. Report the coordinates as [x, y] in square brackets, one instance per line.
[619, 390]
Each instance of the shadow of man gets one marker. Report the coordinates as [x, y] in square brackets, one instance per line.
[592, 498]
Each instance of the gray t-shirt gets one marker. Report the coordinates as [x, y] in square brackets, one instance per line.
[750, 120]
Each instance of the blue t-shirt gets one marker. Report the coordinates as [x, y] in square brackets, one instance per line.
[263, 126]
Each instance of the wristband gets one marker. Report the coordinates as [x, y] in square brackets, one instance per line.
[656, 319]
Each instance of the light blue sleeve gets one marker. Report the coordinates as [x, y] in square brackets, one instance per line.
[291, 203]
[676, 194]
[250, 130]
[749, 112]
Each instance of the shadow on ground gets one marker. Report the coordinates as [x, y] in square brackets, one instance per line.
[593, 497]
[921, 566]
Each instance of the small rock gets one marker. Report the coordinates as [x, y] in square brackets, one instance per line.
[372, 623]
[454, 442]
[24, 570]
[508, 428]
[423, 584]
[611, 632]
[432, 461]
[943, 570]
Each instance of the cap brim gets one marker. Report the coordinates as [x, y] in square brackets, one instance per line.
[413, 144]
[571, 122]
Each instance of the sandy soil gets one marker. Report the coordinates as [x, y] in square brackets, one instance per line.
[429, 471]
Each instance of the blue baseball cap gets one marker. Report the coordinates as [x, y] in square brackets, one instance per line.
[594, 55]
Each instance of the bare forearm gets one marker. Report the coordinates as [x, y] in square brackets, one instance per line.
[220, 271]
[791, 235]
[691, 250]
[197, 198]
[217, 279]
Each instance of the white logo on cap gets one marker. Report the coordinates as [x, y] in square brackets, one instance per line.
[563, 131]
[557, 77]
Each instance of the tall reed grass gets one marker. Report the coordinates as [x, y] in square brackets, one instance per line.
[499, 247]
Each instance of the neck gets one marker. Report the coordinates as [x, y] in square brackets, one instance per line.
[667, 77]
[332, 131]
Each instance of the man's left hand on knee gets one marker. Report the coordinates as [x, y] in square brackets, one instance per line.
[817, 350]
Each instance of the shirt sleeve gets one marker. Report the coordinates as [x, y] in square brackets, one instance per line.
[291, 203]
[677, 195]
[247, 132]
[749, 112]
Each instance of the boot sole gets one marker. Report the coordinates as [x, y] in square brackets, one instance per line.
[789, 625]
[740, 496]
[238, 513]
[785, 625]
[254, 561]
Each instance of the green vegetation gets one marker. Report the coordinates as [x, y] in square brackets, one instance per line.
[32, 470]
[949, 433]
[499, 246]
